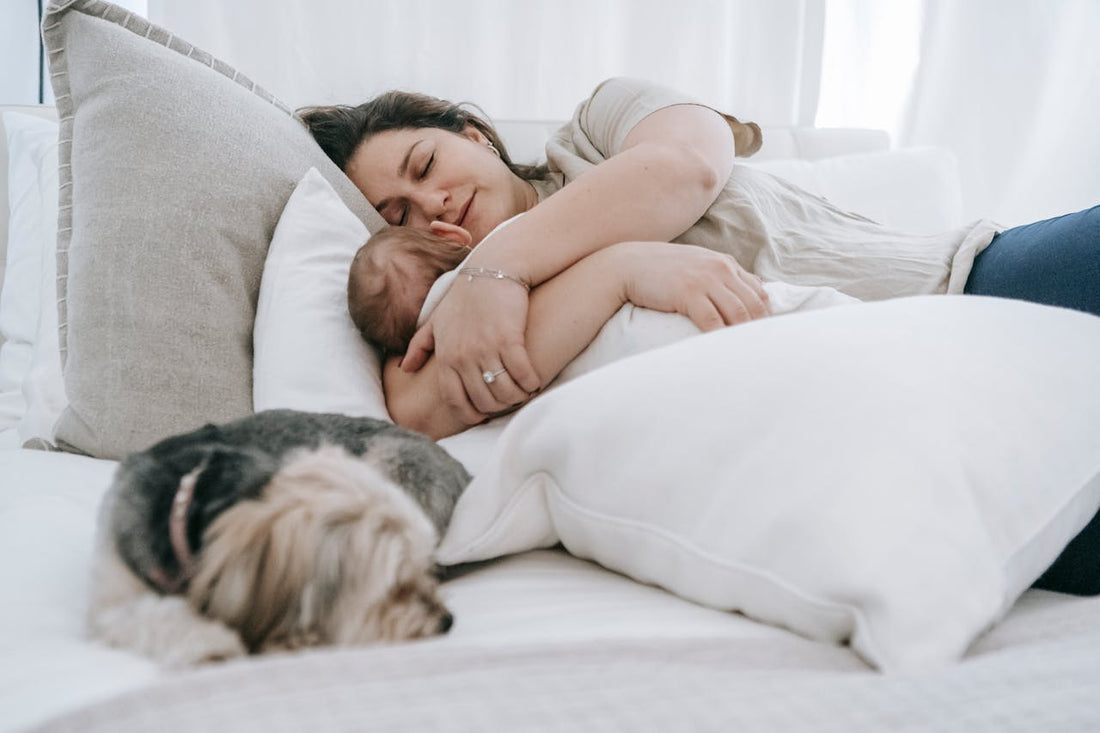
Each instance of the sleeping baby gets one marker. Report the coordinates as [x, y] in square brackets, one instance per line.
[399, 276]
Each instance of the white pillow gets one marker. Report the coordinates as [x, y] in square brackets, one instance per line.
[44, 386]
[32, 392]
[892, 474]
[308, 354]
[911, 189]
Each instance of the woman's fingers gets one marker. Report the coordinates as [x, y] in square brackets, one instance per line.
[744, 299]
[420, 348]
[454, 392]
[711, 289]
[478, 334]
[756, 297]
[492, 390]
[736, 298]
[704, 314]
[518, 363]
[757, 285]
[729, 309]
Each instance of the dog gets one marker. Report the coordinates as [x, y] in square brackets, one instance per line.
[281, 530]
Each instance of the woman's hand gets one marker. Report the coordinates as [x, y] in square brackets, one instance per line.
[711, 289]
[475, 331]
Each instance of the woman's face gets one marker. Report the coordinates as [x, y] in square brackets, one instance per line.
[417, 176]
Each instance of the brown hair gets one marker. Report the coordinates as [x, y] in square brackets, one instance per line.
[340, 129]
[376, 282]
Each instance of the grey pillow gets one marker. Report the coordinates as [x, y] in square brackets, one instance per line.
[174, 171]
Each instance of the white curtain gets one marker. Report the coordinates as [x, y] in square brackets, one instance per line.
[533, 59]
[1013, 88]
[869, 61]
[24, 78]
[19, 52]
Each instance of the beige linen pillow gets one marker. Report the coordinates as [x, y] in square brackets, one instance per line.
[174, 169]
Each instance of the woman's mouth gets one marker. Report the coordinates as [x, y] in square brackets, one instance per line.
[466, 211]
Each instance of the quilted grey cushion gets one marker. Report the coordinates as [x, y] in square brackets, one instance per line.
[174, 169]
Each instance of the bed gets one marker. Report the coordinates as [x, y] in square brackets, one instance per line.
[583, 601]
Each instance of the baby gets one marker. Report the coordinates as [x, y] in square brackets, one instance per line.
[400, 275]
[391, 276]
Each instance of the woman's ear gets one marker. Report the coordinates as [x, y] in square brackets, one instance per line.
[474, 134]
[451, 232]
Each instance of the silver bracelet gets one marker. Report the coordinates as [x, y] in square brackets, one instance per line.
[472, 272]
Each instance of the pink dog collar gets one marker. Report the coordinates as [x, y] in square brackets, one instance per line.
[177, 534]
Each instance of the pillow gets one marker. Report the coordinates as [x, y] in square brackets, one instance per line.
[308, 354]
[44, 386]
[32, 232]
[889, 474]
[912, 189]
[174, 169]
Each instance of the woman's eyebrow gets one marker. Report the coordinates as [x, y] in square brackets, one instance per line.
[405, 163]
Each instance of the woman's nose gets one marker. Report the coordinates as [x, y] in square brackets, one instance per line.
[432, 203]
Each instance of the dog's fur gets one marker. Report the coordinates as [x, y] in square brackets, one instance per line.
[305, 528]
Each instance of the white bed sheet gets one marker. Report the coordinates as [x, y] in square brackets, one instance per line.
[9, 439]
[528, 629]
[47, 519]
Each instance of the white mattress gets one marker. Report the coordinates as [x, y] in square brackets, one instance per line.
[542, 641]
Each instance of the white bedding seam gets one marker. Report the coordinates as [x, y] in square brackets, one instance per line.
[1092, 487]
[834, 611]
[830, 608]
[471, 549]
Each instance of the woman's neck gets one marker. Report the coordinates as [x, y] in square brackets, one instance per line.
[530, 195]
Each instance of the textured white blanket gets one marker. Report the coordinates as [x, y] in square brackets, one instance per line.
[1046, 683]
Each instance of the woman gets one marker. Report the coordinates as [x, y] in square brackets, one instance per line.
[639, 162]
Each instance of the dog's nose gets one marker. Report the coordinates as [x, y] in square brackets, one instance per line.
[446, 622]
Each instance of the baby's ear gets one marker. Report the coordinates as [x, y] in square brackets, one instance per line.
[451, 232]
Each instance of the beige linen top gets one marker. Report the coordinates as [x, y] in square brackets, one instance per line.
[772, 227]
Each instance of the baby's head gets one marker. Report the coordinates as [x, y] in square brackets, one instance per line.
[391, 275]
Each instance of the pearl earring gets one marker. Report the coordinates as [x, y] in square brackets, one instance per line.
[492, 147]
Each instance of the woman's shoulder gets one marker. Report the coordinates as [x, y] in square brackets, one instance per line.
[616, 105]
[627, 89]
[602, 121]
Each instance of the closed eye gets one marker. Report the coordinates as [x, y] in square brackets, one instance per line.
[428, 167]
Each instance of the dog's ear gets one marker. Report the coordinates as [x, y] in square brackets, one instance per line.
[328, 528]
[255, 562]
[230, 475]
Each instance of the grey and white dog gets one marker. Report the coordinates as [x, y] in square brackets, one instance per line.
[281, 530]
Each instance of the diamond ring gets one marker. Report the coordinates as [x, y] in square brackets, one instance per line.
[491, 377]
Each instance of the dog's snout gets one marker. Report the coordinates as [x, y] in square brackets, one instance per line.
[446, 621]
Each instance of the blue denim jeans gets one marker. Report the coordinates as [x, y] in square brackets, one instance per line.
[1057, 262]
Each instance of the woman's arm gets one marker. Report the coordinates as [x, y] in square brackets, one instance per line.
[559, 327]
[567, 311]
[671, 168]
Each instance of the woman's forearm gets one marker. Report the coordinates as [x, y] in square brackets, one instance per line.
[564, 315]
[672, 167]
